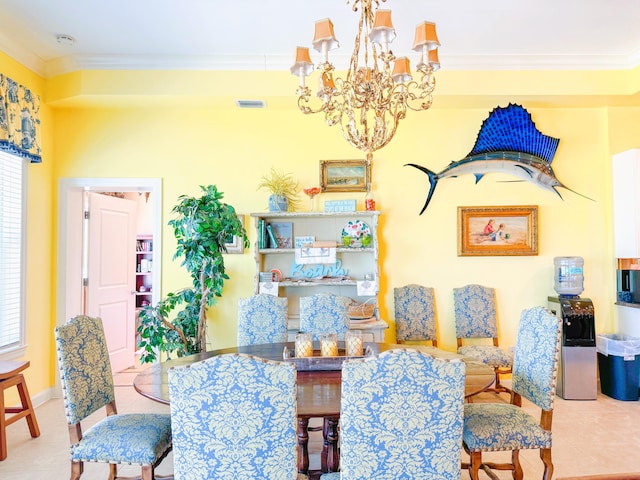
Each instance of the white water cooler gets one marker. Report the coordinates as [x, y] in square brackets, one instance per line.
[578, 365]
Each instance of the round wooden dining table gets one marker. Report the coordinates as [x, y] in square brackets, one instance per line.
[318, 389]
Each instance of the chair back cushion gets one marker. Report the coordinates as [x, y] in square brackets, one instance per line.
[324, 313]
[401, 416]
[535, 363]
[234, 416]
[262, 319]
[414, 313]
[475, 312]
[85, 370]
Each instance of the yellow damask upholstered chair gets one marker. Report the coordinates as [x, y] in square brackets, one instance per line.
[234, 417]
[87, 385]
[401, 417]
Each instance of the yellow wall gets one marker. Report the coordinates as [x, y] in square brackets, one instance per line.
[104, 124]
[40, 237]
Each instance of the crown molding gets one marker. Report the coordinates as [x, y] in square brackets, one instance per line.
[22, 55]
[274, 62]
[283, 62]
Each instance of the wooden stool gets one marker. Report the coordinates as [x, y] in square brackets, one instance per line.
[10, 376]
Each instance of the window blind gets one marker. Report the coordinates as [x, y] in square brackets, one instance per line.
[12, 177]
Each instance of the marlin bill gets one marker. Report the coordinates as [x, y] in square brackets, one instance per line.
[508, 142]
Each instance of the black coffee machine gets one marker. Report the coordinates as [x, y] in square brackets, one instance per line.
[628, 286]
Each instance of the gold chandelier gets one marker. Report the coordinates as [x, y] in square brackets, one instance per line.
[378, 89]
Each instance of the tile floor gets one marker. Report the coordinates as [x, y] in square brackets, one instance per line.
[590, 437]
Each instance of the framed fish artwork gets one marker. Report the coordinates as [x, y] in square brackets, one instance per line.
[498, 231]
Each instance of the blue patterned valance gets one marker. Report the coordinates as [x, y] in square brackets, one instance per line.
[19, 120]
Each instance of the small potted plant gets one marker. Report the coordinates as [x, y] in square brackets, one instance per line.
[284, 190]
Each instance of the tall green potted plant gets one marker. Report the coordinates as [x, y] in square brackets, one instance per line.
[202, 227]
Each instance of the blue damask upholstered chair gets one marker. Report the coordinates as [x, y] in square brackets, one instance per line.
[490, 427]
[324, 313]
[415, 314]
[87, 385]
[234, 416]
[262, 319]
[401, 417]
[475, 316]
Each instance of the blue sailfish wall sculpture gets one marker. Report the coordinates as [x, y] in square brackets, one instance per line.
[508, 142]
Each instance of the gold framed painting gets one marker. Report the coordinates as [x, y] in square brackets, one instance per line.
[344, 175]
[498, 231]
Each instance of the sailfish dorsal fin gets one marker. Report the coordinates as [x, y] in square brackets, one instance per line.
[511, 129]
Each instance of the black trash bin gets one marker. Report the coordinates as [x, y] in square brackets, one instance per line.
[619, 365]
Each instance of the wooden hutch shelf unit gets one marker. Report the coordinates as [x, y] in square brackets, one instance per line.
[352, 263]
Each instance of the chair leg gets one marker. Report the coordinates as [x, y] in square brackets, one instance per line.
[76, 470]
[499, 388]
[113, 471]
[147, 472]
[475, 462]
[3, 427]
[517, 468]
[545, 455]
[25, 400]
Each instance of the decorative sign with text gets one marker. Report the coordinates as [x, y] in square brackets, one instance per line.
[317, 270]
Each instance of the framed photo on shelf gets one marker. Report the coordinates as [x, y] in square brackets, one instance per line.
[235, 244]
[345, 175]
[498, 231]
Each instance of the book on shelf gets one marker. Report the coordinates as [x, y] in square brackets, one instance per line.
[273, 242]
[261, 233]
[283, 232]
[144, 245]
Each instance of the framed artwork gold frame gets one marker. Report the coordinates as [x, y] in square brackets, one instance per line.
[345, 175]
[498, 231]
[236, 244]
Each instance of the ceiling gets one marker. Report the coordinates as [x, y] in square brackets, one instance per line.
[263, 34]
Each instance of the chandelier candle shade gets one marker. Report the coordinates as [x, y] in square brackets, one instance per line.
[378, 88]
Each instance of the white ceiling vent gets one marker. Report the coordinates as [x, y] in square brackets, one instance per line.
[251, 103]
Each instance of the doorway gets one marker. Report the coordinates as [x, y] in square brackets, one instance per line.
[70, 274]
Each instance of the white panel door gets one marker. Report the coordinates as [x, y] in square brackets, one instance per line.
[111, 274]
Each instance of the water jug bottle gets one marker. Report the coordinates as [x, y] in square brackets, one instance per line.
[569, 279]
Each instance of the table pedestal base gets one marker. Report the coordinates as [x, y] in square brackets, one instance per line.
[329, 457]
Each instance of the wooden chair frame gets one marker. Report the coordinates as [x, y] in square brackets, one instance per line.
[476, 463]
[77, 468]
[498, 387]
